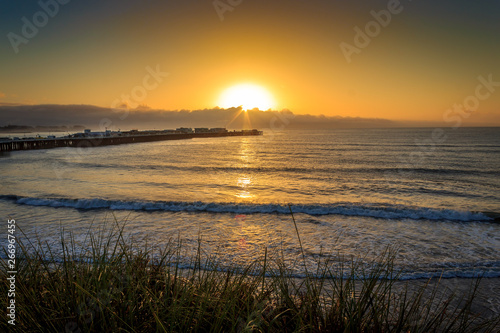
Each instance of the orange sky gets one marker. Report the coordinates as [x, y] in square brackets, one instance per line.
[425, 60]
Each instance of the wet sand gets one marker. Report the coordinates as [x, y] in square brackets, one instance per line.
[487, 300]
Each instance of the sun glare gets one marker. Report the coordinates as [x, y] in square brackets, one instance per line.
[248, 96]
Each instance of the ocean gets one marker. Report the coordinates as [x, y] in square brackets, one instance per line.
[430, 194]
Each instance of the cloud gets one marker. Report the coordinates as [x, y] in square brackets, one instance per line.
[2, 95]
[144, 118]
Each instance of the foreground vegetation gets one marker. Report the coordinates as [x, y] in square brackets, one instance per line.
[107, 284]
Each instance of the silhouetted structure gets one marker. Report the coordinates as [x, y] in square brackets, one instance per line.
[97, 139]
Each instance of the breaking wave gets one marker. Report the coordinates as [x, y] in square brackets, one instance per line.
[384, 211]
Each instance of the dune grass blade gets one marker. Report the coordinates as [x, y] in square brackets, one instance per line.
[108, 283]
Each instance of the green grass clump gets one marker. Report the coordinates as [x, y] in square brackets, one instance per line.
[108, 284]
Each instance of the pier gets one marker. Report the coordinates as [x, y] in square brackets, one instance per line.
[88, 139]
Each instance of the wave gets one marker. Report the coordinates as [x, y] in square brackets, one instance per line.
[400, 273]
[367, 169]
[385, 211]
[443, 273]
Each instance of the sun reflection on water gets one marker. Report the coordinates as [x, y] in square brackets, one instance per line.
[244, 182]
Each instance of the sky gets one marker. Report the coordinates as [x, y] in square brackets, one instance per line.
[421, 61]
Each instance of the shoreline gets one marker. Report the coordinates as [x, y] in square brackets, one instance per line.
[487, 300]
[142, 294]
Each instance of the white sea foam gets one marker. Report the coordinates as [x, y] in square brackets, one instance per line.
[347, 209]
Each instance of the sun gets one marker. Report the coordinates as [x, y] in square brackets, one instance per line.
[248, 96]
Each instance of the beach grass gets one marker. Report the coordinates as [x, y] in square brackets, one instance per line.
[107, 283]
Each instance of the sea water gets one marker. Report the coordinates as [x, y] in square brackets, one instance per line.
[429, 194]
